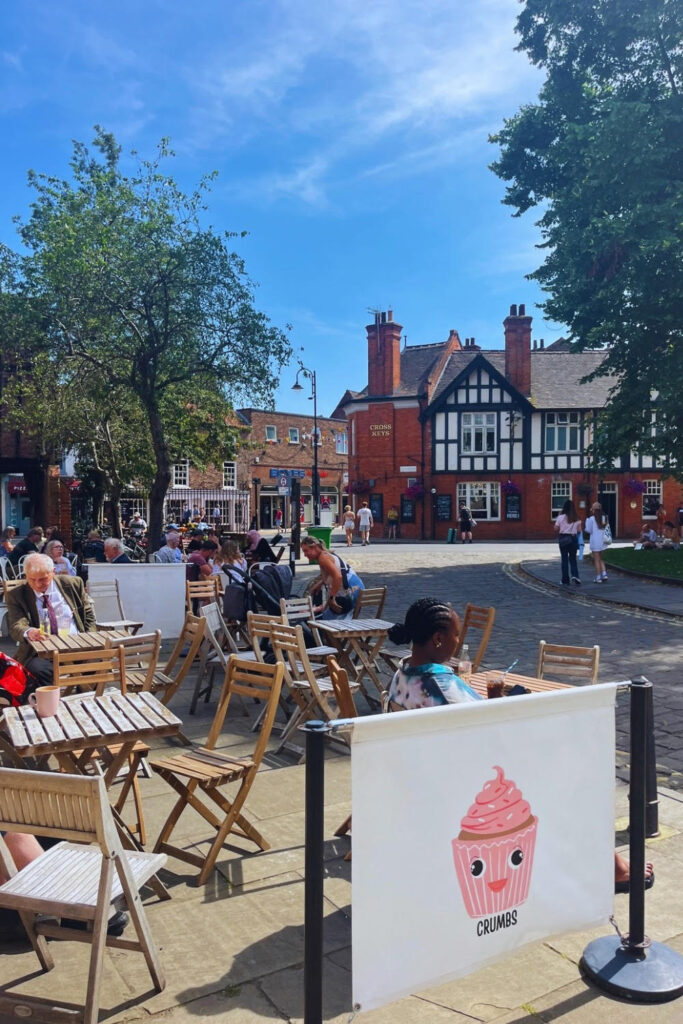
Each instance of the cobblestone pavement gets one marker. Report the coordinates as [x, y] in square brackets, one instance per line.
[631, 642]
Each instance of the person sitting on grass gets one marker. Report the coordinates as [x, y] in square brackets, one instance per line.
[424, 679]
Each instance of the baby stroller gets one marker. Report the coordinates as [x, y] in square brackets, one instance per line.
[258, 589]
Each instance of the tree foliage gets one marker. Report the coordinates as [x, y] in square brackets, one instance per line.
[600, 154]
[140, 303]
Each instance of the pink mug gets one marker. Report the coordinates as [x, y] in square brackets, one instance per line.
[45, 700]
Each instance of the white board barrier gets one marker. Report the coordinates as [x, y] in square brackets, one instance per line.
[151, 593]
[478, 828]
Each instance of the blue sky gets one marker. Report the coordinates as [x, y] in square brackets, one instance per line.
[350, 137]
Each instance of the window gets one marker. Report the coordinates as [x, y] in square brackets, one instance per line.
[478, 432]
[482, 499]
[229, 474]
[652, 498]
[562, 432]
[341, 442]
[559, 493]
[293, 435]
[271, 433]
[181, 473]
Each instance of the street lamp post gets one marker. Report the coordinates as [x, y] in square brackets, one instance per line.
[314, 395]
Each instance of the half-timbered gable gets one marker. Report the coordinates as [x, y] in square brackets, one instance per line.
[478, 419]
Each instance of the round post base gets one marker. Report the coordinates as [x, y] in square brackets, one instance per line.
[654, 977]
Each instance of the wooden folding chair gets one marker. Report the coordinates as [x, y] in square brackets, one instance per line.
[370, 603]
[141, 654]
[199, 592]
[314, 696]
[218, 645]
[164, 682]
[297, 611]
[88, 669]
[71, 880]
[108, 608]
[476, 618]
[198, 773]
[574, 662]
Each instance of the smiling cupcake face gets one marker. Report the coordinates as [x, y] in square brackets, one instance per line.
[494, 851]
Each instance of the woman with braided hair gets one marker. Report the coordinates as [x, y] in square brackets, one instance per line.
[424, 680]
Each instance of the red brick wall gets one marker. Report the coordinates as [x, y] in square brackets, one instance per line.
[384, 355]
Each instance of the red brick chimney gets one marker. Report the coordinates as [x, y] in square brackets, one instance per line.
[384, 355]
[518, 349]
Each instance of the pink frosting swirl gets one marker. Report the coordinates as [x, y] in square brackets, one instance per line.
[498, 808]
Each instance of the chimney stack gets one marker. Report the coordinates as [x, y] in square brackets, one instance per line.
[384, 355]
[517, 328]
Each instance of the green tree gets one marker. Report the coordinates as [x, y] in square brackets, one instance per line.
[600, 154]
[132, 288]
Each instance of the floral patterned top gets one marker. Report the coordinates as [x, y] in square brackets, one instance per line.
[427, 686]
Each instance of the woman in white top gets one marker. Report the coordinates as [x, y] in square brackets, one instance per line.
[595, 528]
[568, 526]
[349, 523]
[55, 549]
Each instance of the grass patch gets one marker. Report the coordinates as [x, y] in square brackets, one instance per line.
[653, 563]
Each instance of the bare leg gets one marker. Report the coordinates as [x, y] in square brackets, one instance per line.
[24, 849]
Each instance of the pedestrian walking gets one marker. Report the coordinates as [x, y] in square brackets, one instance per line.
[568, 528]
[365, 523]
[349, 524]
[467, 523]
[595, 528]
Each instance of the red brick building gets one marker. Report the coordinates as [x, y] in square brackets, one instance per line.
[505, 431]
[280, 450]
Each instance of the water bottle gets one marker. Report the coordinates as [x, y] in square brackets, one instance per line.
[581, 543]
[464, 664]
[45, 627]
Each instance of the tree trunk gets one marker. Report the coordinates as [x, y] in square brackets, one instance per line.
[116, 511]
[162, 477]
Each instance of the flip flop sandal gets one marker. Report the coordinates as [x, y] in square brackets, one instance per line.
[620, 887]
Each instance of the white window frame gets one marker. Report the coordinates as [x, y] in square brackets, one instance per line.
[271, 433]
[653, 489]
[560, 491]
[479, 433]
[293, 435]
[482, 498]
[229, 475]
[181, 473]
[562, 432]
[341, 443]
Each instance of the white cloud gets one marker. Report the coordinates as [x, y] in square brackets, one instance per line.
[349, 76]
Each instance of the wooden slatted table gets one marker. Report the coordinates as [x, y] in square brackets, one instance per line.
[84, 725]
[358, 643]
[478, 683]
[93, 641]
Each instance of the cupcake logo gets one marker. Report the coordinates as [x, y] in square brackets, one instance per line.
[494, 852]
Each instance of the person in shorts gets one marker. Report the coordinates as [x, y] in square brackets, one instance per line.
[365, 522]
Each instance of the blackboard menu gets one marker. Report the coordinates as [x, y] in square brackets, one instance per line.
[377, 507]
[513, 506]
[444, 508]
[407, 509]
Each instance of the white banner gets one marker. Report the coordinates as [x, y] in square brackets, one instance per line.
[478, 828]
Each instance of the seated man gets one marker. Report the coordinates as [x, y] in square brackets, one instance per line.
[62, 599]
[670, 537]
[29, 545]
[199, 563]
[171, 551]
[115, 551]
[648, 536]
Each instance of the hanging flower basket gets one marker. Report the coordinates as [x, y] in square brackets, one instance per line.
[584, 490]
[510, 487]
[360, 487]
[415, 491]
[632, 488]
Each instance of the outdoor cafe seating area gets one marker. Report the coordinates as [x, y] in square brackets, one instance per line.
[166, 743]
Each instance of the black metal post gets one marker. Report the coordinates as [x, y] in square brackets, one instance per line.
[316, 439]
[631, 966]
[651, 796]
[313, 911]
[636, 900]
